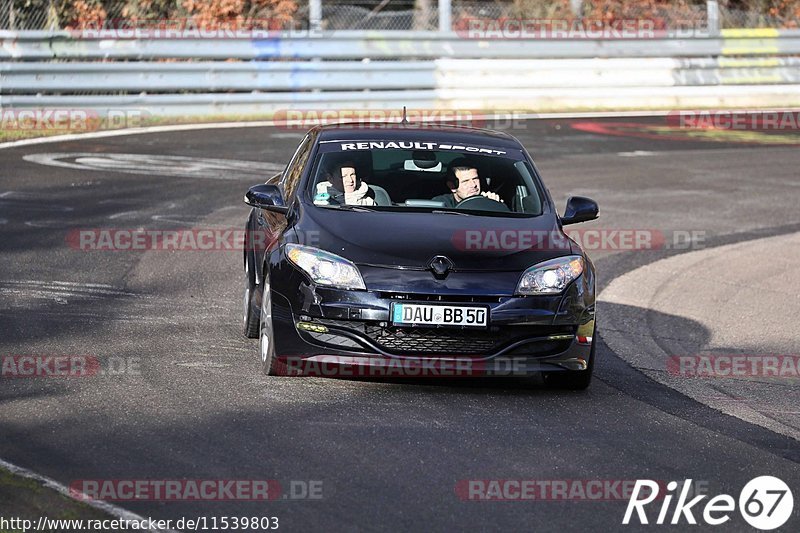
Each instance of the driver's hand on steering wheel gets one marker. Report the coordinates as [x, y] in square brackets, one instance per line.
[492, 196]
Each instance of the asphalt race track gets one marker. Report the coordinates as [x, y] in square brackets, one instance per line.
[180, 394]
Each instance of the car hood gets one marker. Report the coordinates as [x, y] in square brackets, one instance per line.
[411, 240]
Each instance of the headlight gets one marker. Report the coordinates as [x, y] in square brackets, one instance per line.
[551, 277]
[325, 268]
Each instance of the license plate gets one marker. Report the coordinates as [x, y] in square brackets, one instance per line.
[440, 315]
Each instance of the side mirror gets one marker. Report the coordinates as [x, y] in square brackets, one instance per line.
[579, 209]
[266, 197]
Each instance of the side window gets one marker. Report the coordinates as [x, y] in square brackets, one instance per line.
[291, 176]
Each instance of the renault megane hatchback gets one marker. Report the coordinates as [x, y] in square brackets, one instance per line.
[403, 246]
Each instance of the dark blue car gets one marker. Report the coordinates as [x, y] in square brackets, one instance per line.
[435, 250]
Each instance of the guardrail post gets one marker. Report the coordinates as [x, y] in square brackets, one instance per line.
[445, 15]
[712, 8]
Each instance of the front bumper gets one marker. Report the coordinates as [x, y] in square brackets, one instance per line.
[323, 331]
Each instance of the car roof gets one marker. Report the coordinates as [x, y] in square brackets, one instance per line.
[416, 132]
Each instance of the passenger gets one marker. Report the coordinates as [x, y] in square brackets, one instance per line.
[345, 187]
[464, 182]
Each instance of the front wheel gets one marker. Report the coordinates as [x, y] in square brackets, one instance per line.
[266, 344]
[249, 318]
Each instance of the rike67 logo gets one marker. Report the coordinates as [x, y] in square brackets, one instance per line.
[765, 503]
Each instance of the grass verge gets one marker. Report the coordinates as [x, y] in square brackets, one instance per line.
[28, 499]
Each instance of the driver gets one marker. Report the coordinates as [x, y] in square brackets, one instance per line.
[464, 182]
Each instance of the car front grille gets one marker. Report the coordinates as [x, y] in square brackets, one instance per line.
[433, 340]
[455, 342]
[452, 298]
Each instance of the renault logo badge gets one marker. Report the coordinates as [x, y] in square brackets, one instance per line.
[440, 266]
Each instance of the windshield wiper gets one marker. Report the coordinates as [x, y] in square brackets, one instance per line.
[462, 213]
[350, 207]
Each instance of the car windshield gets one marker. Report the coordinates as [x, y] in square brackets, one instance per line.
[368, 176]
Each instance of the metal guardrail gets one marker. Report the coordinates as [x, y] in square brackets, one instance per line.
[214, 76]
[739, 68]
[77, 77]
[615, 72]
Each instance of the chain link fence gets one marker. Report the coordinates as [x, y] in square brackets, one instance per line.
[420, 15]
[76, 14]
[380, 15]
[16, 15]
[731, 17]
[589, 13]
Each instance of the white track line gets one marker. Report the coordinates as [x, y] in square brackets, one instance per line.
[113, 510]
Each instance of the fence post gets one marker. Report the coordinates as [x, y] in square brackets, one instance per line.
[12, 18]
[52, 16]
[712, 8]
[314, 15]
[445, 15]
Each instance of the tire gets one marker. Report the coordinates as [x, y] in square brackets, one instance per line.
[249, 317]
[266, 344]
[574, 379]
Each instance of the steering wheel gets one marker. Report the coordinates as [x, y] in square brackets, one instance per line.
[481, 203]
